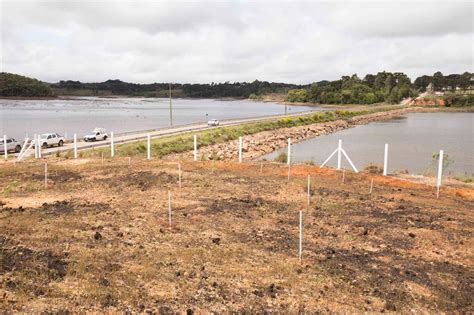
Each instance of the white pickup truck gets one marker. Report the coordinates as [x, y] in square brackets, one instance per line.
[96, 134]
[51, 139]
[12, 145]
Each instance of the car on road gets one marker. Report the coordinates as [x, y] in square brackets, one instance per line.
[213, 122]
[96, 134]
[12, 146]
[51, 139]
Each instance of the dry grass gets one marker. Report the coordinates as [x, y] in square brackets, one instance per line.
[97, 239]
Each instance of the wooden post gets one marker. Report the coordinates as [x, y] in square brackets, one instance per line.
[5, 148]
[261, 168]
[46, 175]
[385, 160]
[288, 159]
[112, 153]
[289, 172]
[169, 208]
[301, 236]
[75, 146]
[129, 161]
[195, 148]
[179, 175]
[371, 186]
[240, 149]
[148, 147]
[309, 189]
[440, 173]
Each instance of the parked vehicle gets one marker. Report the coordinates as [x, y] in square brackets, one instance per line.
[51, 139]
[96, 134]
[213, 122]
[12, 146]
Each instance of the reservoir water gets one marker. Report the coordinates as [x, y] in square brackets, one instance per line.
[412, 140]
[81, 115]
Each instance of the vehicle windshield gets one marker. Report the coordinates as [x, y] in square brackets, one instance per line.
[44, 135]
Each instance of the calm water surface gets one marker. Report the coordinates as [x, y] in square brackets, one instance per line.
[21, 117]
[411, 139]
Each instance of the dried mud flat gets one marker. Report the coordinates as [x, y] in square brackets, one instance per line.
[97, 239]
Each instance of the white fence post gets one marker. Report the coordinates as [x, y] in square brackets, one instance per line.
[35, 141]
[440, 173]
[339, 152]
[112, 153]
[179, 174]
[75, 146]
[385, 160]
[240, 149]
[288, 159]
[301, 235]
[195, 148]
[148, 147]
[371, 186]
[5, 148]
[39, 146]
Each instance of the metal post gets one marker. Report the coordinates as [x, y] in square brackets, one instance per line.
[112, 149]
[75, 146]
[148, 147]
[440, 172]
[5, 148]
[288, 160]
[339, 152]
[195, 148]
[385, 160]
[240, 149]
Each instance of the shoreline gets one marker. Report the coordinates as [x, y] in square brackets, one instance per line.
[265, 142]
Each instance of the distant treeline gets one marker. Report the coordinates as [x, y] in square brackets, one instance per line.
[213, 90]
[12, 85]
[383, 87]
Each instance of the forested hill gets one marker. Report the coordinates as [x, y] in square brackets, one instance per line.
[12, 85]
[213, 90]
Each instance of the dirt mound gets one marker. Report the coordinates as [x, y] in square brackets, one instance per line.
[142, 180]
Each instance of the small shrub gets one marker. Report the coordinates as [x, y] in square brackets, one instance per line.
[373, 169]
[281, 158]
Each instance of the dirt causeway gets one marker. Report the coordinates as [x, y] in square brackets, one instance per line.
[98, 239]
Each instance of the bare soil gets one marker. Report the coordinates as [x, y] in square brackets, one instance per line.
[98, 239]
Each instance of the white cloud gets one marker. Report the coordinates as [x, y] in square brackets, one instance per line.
[202, 41]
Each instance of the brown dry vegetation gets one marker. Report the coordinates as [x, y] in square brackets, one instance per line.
[97, 239]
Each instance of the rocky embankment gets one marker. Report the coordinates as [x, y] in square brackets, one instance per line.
[268, 141]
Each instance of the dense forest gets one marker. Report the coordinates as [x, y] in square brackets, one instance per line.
[17, 85]
[382, 87]
[213, 90]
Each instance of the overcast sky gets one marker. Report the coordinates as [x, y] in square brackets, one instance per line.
[198, 41]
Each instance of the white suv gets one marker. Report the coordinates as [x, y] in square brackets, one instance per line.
[51, 139]
[12, 145]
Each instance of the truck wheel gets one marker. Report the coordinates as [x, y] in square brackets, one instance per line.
[45, 145]
[61, 142]
[105, 137]
[17, 149]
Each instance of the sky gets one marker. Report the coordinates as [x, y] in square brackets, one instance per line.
[216, 41]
